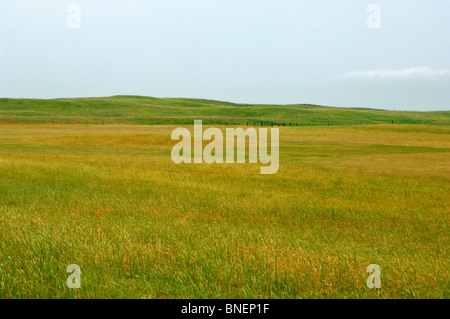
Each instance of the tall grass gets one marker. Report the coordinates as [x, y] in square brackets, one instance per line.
[109, 198]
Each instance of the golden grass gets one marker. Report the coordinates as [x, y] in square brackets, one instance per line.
[109, 198]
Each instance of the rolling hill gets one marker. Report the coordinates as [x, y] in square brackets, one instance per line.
[150, 110]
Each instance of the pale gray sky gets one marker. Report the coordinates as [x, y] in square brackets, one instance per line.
[253, 51]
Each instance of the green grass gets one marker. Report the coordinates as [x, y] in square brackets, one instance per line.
[109, 198]
[148, 110]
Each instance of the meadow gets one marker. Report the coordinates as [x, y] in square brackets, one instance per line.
[150, 110]
[109, 198]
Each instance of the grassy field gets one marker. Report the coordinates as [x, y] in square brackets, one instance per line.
[109, 198]
[149, 110]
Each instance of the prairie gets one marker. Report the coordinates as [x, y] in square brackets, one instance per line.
[151, 110]
[109, 199]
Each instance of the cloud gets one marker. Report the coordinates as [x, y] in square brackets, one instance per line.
[417, 72]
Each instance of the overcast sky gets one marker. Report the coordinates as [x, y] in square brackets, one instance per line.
[258, 51]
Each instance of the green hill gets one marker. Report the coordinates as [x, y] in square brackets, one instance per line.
[149, 110]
